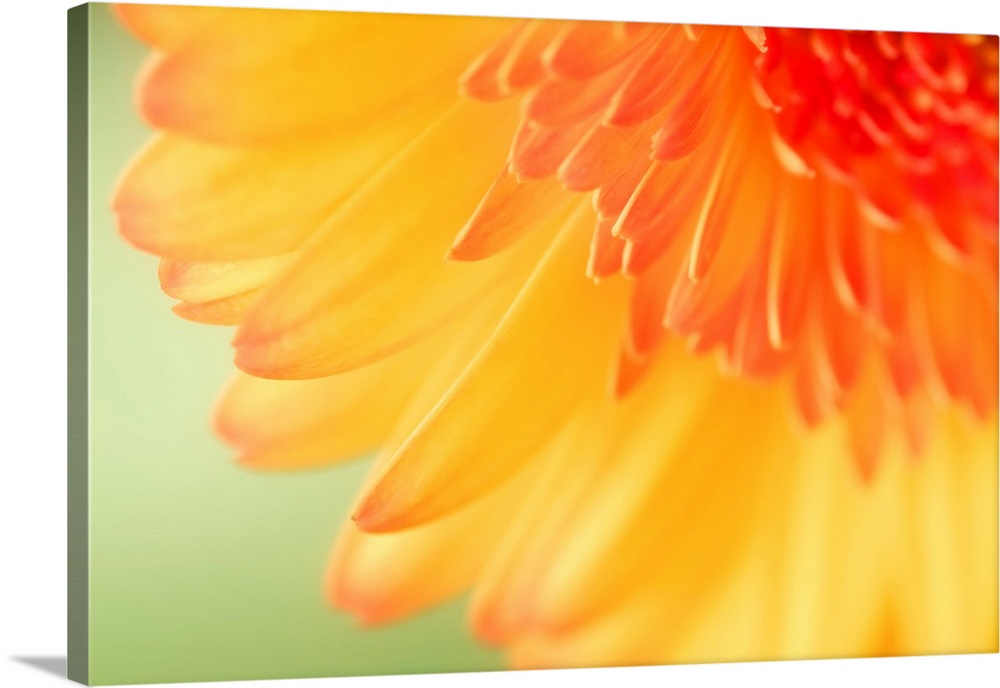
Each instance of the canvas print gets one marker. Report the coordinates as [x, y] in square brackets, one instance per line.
[524, 343]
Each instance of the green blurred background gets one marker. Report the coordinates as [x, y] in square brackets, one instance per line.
[201, 570]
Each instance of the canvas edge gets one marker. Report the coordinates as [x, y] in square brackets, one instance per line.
[78, 231]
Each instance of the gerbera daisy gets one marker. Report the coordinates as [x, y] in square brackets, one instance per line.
[673, 343]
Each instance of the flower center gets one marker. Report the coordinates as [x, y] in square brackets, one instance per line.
[803, 201]
[906, 119]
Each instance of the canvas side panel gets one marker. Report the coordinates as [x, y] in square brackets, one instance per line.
[78, 328]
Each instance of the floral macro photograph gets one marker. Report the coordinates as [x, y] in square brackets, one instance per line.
[482, 343]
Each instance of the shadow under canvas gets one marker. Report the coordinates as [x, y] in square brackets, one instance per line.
[51, 665]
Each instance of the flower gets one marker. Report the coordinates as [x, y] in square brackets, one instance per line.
[817, 208]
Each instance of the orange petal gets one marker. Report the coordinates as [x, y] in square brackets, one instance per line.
[667, 72]
[612, 197]
[852, 256]
[843, 343]
[508, 210]
[538, 151]
[602, 155]
[660, 203]
[523, 66]
[649, 304]
[811, 401]
[750, 351]
[791, 262]
[866, 423]
[721, 202]
[587, 48]
[481, 79]
[605, 252]
[627, 372]
[565, 102]
[945, 324]
[687, 120]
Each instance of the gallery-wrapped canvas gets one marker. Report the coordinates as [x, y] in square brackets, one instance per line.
[523, 343]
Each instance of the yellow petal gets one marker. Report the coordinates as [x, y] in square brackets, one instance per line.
[570, 465]
[290, 424]
[824, 595]
[944, 559]
[229, 310]
[382, 577]
[513, 396]
[707, 595]
[373, 280]
[195, 201]
[300, 75]
[675, 484]
[164, 26]
[199, 282]
[303, 423]
[733, 624]
[626, 637]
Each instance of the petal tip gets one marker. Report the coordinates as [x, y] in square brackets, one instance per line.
[341, 595]
[372, 517]
[460, 251]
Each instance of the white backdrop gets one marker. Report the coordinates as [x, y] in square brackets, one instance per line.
[33, 334]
